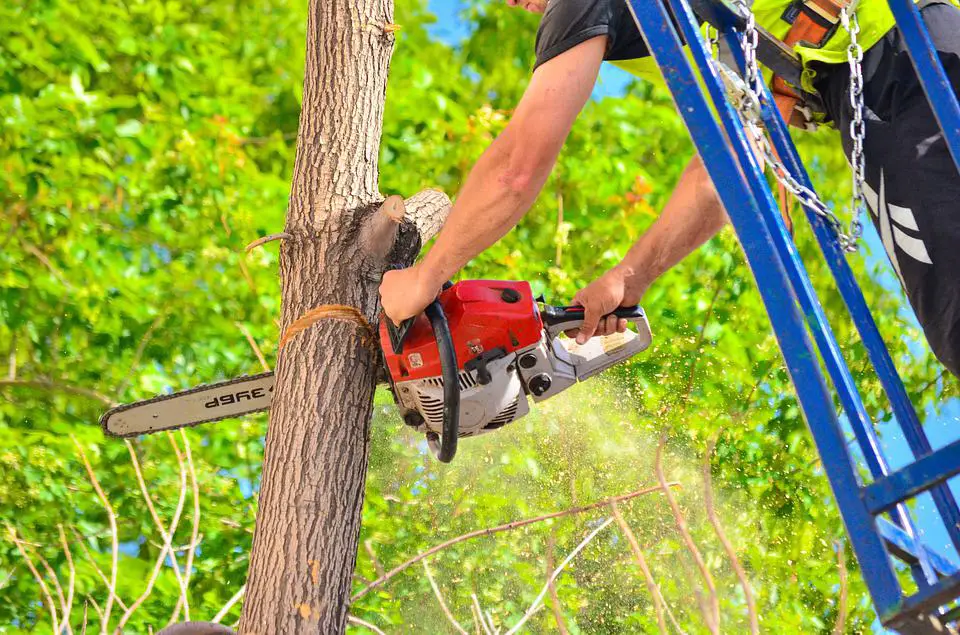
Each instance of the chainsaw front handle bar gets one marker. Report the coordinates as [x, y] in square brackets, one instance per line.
[558, 319]
[444, 446]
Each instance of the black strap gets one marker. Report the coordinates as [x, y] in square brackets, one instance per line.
[923, 4]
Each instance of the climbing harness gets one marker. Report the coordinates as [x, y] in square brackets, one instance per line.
[746, 95]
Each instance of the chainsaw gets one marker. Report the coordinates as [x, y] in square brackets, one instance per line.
[464, 367]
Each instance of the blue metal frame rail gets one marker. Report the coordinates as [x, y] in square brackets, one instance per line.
[796, 314]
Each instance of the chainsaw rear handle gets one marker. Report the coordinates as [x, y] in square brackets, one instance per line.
[445, 447]
[558, 319]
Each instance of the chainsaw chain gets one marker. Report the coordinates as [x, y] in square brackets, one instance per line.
[113, 411]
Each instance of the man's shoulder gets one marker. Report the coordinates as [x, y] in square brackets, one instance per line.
[566, 23]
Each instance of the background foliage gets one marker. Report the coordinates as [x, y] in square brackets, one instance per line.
[143, 144]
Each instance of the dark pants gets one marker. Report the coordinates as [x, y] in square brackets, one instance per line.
[913, 184]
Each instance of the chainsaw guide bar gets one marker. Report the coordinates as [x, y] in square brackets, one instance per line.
[203, 404]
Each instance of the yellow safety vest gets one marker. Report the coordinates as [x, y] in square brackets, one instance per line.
[874, 17]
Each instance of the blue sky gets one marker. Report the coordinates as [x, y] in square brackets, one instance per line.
[941, 429]
[450, 28]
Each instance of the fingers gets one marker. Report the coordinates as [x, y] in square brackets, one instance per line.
[606, 326]
[610, 324]
[591, 320]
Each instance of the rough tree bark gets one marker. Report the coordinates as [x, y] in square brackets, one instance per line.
[343, 237]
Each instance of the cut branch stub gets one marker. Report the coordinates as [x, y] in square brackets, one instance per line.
[263, 240]
[428, 210]
[425, 214]
[381, 231]
[393, 208]
[399, 228]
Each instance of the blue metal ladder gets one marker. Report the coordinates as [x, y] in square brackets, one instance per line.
[796, 314]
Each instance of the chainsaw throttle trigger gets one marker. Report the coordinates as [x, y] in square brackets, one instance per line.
[479, 363]
[445, 448]
[563, 318]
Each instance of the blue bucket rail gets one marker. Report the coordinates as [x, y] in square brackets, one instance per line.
[793, 306]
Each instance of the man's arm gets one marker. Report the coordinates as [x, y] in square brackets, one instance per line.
[506, 179]
[690, 218]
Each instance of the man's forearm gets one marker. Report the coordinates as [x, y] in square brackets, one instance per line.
[509, 175]
[691, 217]
[499, 190]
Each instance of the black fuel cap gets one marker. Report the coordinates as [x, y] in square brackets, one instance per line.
[510, 296]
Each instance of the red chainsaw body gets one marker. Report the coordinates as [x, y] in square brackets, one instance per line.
[483, 315]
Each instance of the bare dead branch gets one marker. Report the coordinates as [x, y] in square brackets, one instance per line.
[222, 613]
[194, 532]
[263, 240]
[7, 578]
[538, 602]
[361, 579]
[353, 619]
[428, 210]
[15, 212]
[489, 531]
[697, 353]
[652, 587]
[554, 598]
[42, 257]
[478, 614]
[71, 572]
[114, 541]
[96, 607]
[246, 275]
[496, 629]
[178, 548]
[103, 577]
[840, 625]
[57, 588]
[12, 359]
[46, 384]
[727, 545]
[443, 605]
[235, 525]
[368, 546]
[712, 613]
[254, 346]
[138, 355]
[83, 627]
[167, 535]
[45, 592]
[747, 402]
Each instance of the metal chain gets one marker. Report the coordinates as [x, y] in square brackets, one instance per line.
[746, 96]
[858, 128]
[751, 41]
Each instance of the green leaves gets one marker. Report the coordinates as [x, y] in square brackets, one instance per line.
[144, 144]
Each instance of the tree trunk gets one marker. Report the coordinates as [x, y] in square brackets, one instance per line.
[308, 522]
